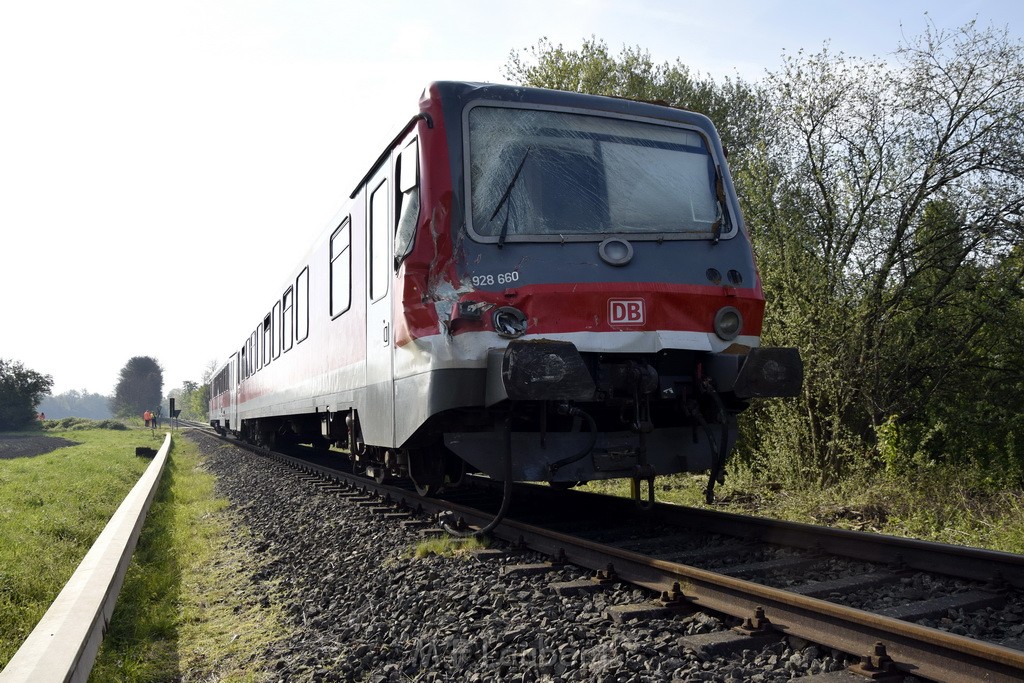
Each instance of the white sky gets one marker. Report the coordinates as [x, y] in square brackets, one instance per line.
[155, 155]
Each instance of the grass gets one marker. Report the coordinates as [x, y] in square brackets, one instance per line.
[188, 610]
[447, 546]
[52, 508]
[946, 506]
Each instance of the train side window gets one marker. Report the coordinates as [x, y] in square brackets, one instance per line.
[244, 361]
[379, 258]
[341, 268]
[276, 315]
[302, 305]
[407, 200]
[254, 353]
[287, 320]
[258, 347]
[268, 337]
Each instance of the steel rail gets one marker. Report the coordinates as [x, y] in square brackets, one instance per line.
[942, 558]
[64, 644]
[918, 650]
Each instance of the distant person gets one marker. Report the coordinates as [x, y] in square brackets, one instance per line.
[156, 419]
[42, 416]
[148, 417]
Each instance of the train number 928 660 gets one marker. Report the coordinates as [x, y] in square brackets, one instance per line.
[500, 278]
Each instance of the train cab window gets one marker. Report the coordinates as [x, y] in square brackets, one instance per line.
[302, 305]
[268, 336]
[407, 200]
[276, 315]
[380, 269]
[537, 175]
[287, 319]
[341, 269]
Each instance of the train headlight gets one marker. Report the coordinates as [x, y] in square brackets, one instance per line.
[509, 322]
[728, 323]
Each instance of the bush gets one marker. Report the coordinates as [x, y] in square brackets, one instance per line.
[81, 423]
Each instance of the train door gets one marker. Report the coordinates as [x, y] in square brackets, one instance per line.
[232, 409]
[378, 421]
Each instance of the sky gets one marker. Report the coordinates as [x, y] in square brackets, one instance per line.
[164, 165]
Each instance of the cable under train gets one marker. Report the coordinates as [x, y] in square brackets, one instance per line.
[530, 284]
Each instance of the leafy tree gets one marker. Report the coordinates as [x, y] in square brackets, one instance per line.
[887, 201]
[193, 398]
[21, 390]
[139, 387]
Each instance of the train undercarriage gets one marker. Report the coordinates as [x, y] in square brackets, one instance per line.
[555, 415]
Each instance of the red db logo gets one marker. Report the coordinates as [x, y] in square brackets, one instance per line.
[626, 311]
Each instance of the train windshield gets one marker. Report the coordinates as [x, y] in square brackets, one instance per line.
[555, 175]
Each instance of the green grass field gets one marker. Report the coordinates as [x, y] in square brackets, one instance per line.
[52, 508]
[187, 609]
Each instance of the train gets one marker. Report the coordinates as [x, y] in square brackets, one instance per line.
[526, 284]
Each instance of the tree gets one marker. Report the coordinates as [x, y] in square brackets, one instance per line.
[139, 387]
[21, 390]
[886, 203]
[192, 399]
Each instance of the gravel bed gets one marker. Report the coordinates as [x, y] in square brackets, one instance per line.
[362, 609]
[750, 555]
[909, 589]
[828, 569]
[1002, 625]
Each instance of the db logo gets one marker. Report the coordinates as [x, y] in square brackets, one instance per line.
[626, 311]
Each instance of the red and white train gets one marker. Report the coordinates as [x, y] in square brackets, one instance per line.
[529, 283]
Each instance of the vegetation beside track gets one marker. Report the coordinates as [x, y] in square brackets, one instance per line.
[447, 546]
[186, 611]
[52, 508]
[947, 505]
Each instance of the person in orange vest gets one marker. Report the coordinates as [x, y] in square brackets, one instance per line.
[147, 416]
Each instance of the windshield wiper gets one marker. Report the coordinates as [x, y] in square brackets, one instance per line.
[504, 198]
[716, 227]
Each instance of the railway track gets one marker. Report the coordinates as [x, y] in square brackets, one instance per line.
[879, 598]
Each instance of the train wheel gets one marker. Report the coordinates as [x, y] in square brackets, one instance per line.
[427, 490]
[455, 472]
[426, 469]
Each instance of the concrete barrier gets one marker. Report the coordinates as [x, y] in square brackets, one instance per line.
[63, 646]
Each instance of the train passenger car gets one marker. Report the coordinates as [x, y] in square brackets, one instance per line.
[531, 284]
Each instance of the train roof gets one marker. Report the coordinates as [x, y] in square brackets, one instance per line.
[457, 94]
